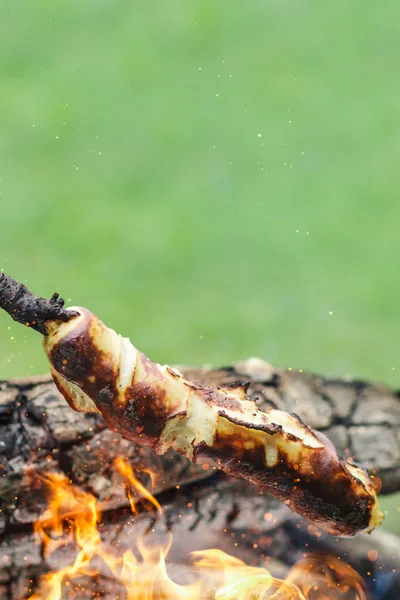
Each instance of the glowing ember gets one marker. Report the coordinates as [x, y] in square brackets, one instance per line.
[327, 578]
[72, 520]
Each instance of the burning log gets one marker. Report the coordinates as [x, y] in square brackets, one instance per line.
[39, 432]
[213, 513]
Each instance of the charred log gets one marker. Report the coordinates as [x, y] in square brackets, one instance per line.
[38, 431]
[215, 513]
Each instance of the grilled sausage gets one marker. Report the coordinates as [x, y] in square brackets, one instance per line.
[97, 370]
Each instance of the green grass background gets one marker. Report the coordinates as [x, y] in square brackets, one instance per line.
[211, 178]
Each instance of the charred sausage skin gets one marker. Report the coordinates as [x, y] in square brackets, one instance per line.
[98, 370]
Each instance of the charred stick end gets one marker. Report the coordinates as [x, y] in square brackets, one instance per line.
[28, 309]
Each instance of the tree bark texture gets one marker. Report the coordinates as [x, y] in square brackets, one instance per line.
[202, 515]
[40, 433]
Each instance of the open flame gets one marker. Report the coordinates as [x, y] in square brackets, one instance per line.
[73, 517]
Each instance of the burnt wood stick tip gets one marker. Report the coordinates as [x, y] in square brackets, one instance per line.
[28, 309]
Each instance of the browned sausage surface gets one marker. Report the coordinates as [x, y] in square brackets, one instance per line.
[99, 371]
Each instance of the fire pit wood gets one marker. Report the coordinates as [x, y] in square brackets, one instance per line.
[215, 513]
[39, 432]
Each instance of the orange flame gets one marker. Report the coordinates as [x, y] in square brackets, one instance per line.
[72, 519]
[134, 485]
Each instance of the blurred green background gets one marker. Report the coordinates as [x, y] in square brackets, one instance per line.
[213, 179]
